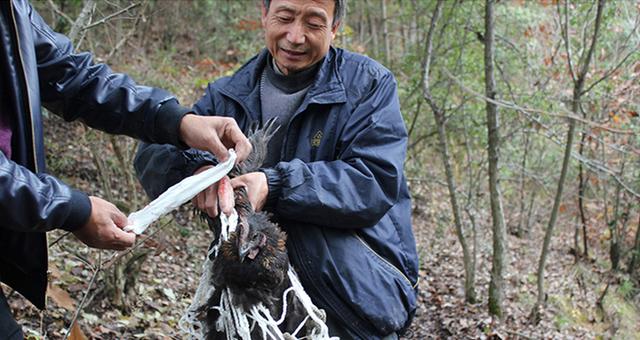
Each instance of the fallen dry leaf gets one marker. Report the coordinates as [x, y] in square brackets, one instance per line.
[61, 297]
[76, 333]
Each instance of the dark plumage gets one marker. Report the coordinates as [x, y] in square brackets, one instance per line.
[253, 261]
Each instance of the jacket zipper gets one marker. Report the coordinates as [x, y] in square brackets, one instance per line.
[305, 104]
[29, 115]
[387, 262]
[26, 87]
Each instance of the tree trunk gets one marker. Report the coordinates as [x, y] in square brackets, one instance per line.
[385, 34]
[497, 215]
[519, 231]
[373, 28]
[635, 253]
[575, 106]
[582, 182]
[81, 21]
[615, 246]
[439, 114]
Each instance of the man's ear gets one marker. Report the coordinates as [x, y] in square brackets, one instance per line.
[334, 29]
[264, 14]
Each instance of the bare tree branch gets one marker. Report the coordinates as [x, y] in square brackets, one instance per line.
[110, 16]
[59, 12]
[567, 114]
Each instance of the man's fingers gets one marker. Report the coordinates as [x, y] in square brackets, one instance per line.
[218, 149]
[225, 196]
[124, 238]
[120, 219]
[237, 182]
[207, 201]
[214, 134]
[211, 201]
[239, 142]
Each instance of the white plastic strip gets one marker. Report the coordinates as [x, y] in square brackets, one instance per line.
[178, 194]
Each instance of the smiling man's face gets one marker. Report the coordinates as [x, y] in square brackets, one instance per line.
[298, 33]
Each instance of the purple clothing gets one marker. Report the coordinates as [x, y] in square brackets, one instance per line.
[5, 135]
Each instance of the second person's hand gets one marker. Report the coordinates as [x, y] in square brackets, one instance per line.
[214, 134]
[257, 188]
[103, 230]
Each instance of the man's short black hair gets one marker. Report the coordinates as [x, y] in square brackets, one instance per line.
[338, 12]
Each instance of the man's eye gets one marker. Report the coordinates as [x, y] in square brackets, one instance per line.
[315, 26]
[284, 18]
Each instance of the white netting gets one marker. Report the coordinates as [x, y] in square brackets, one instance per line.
[235, 322]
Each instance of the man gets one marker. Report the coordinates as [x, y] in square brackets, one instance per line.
[334, 176]
[38, 66]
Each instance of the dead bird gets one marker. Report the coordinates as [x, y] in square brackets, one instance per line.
[253, 262]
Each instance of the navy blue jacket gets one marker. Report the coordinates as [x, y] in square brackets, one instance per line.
[339, 190]
[39, 67]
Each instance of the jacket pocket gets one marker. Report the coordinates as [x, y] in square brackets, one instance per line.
[377, 291]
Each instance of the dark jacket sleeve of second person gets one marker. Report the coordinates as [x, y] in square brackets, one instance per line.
[159, 166]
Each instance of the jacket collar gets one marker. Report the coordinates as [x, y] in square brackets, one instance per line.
[327, 88]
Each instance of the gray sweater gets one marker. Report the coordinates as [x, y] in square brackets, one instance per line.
[281, 96]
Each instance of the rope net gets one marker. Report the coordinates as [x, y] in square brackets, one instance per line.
[236, 323]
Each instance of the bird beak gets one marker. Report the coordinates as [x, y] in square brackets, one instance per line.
[243, 250]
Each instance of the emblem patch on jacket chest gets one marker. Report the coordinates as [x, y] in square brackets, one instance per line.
[316, 139]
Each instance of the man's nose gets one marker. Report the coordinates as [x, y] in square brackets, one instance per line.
[296, 34]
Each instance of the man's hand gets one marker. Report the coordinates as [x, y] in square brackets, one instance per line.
[257, 188]
[221, 194]
[104, 228]
[214, 134]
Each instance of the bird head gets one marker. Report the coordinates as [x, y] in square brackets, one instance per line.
[250, 241]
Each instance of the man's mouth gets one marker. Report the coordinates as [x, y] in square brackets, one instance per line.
[293, 53]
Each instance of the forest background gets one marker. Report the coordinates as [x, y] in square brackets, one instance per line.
[523, 162]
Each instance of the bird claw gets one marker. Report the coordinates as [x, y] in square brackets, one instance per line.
[320, 313]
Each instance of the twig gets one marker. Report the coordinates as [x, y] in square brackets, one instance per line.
[565, 34]
[101, 266]
[567, 114]
[108, 17]
[518, 334]
[84, 298]
[81, 20]
[78, 256]
[59, 239]
[125, 38]
[59, 12]
[610, 72]
[117, 255]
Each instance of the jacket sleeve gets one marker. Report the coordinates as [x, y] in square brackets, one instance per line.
[159, 166]
[73, 86]
[38, 202]
[358, 188]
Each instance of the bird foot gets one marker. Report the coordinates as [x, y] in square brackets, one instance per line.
[311, 324]
[321, 313]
